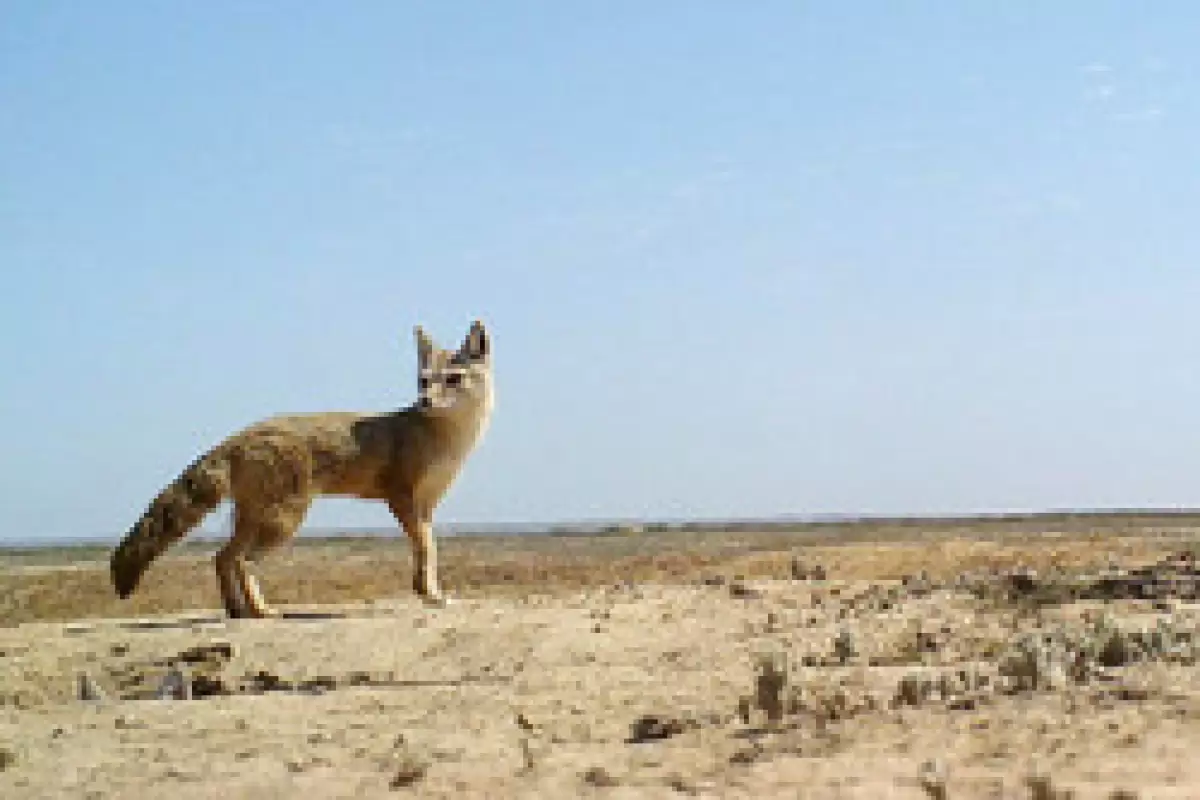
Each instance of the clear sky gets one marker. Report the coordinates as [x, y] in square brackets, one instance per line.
[738, 259]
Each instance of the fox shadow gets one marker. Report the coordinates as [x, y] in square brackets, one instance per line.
[184, 623]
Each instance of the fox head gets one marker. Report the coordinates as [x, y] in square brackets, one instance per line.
[448, 379]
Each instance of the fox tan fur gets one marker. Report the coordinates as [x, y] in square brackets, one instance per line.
[274, 469]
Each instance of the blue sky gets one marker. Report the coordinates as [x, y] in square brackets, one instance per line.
[737, 258]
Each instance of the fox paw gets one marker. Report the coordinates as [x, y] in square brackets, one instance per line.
[252, 613]
[437, 600]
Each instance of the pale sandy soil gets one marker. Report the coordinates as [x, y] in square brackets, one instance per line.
[632, 690]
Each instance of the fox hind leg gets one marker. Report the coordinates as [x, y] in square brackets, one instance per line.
[255, 532]
[232, 595]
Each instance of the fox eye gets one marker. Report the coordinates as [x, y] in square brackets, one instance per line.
[453, 379]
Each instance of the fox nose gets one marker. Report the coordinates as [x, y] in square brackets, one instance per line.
[425, 402]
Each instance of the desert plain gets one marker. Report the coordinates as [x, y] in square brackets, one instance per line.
[1044, 656]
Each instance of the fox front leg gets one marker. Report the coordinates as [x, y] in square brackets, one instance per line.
[424, 548]
[419, 528]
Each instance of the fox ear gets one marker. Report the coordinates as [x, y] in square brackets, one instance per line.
[424, 344]
[476, 345]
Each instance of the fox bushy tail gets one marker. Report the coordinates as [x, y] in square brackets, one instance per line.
[178, 509]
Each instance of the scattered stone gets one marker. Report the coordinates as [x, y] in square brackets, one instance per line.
[219, 652]
[685, 786]
[88, 690]
[926, 642]
[742, 590]
[409, 774]
[844, 647]
[748, 755]
[913, 690]
[932, 777]
[175, 686]
[599, 776]
[410, 768]
[208, 686]
[1022, 581]
[650, 728]
[1041, 787]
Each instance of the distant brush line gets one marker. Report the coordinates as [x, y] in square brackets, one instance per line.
[586, 526]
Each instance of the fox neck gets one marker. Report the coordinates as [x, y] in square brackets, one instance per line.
[460, 427]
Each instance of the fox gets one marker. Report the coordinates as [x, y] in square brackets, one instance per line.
[272, 470]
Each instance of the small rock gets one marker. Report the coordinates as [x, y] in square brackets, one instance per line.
[89, 690]
[174, 686]
[410, 772]
[844, 647]
[741, 589]
[599, 776]
[651, 728]
[932, 777]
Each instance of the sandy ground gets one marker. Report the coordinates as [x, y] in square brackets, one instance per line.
[829, 683]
